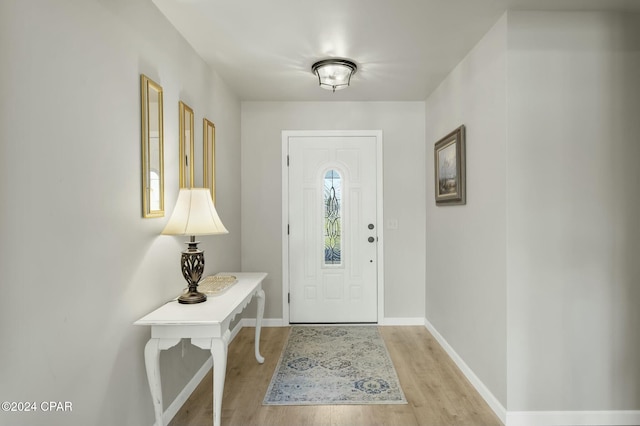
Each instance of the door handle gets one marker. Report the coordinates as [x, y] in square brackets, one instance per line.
[371, 239]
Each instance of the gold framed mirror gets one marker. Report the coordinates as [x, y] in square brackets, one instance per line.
[152, 148]
[209, 156]
[186, 145]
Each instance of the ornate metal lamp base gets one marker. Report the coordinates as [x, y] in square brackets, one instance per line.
[192, 297]
[192, 263]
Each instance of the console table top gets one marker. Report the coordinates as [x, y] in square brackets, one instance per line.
[215, 310]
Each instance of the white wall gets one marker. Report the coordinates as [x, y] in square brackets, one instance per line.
[402, 124]
[543, 306]
[465, 245]
[573, 207]
[79, 264]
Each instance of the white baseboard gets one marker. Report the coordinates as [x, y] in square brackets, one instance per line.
[266, 322]
[536, 418]
[402, 321]
[236, 330]
[186, 392]
[279, 322]
[484, 392]
[573, 418]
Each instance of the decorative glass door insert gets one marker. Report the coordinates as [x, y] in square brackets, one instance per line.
[332, 218]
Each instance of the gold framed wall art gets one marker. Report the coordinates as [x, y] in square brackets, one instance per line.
[186, 145]
[152, 140]
[209, 157]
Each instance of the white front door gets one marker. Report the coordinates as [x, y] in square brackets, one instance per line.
[332, 229]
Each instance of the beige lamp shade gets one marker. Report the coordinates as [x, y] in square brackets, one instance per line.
[194, 214]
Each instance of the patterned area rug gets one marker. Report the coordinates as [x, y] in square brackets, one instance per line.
[334, 365]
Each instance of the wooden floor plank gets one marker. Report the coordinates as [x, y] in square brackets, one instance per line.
[437, 392]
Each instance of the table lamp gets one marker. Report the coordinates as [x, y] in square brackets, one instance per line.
[193, 215]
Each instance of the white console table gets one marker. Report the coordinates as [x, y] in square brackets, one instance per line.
[207, 325]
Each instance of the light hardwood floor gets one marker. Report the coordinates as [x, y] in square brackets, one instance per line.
[437, 392]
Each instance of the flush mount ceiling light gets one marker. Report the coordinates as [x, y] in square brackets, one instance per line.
[334, 74]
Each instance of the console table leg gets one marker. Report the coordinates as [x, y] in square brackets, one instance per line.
[152, 364]
[219, 354]
[259, 315]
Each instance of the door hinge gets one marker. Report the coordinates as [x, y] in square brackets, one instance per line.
[287, 161]
[289, 298]
[287, 229]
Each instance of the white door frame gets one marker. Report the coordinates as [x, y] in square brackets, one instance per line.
[286, 134]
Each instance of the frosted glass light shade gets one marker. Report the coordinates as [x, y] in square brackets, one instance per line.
[334, 74]
[194, 214]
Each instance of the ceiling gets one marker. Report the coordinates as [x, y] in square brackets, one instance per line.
[264, 49]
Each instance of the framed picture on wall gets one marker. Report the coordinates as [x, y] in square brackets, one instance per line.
[449, 157]
[186, 145]
[151, 105]
[209, 156]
